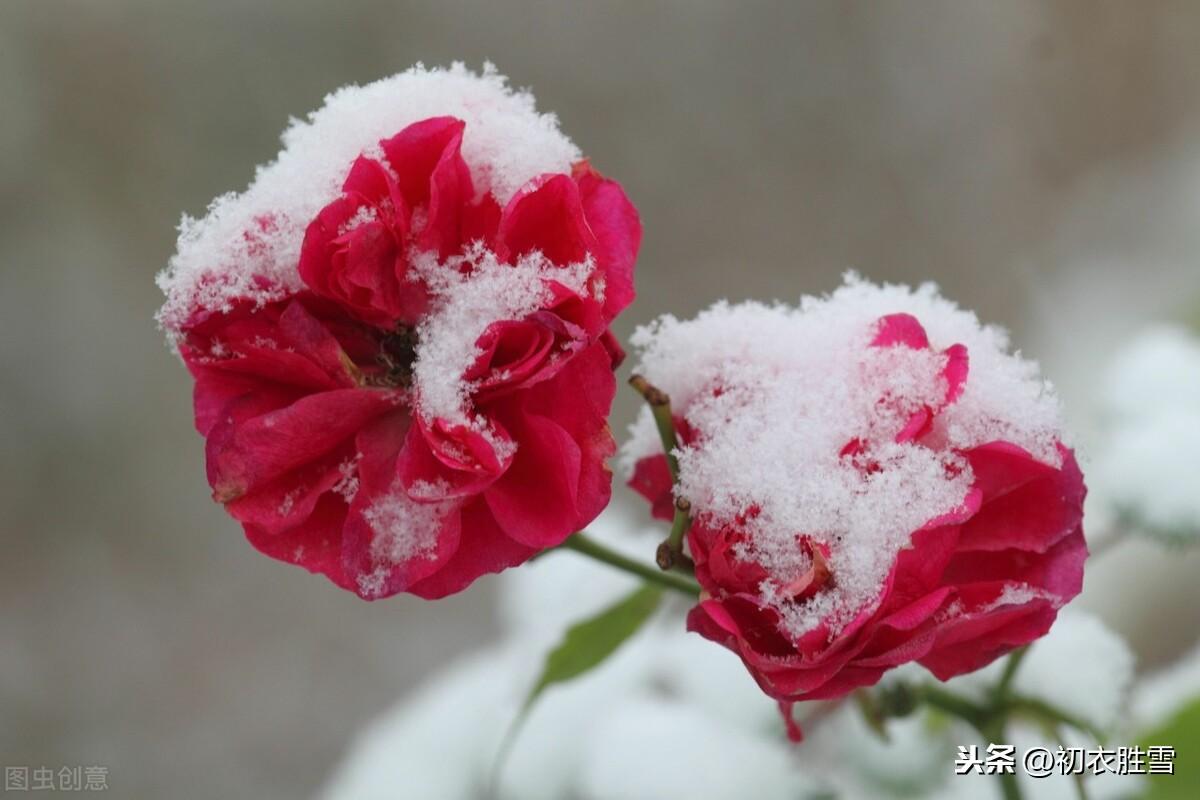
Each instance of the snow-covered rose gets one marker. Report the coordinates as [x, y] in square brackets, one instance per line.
[873, 480]
[399, 335]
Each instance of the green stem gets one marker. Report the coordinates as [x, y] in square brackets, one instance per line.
[660, 407]
[989, 721]
[589, 547]
[1009, 786]
[993, 731]
[990, 717]
[1054, 732]
[1042, 711]
[670, 552]
[952, 704]
[1010, 672]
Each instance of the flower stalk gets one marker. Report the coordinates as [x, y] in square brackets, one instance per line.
[989, 718]
[670, 553]
[584, 544]
[660, 407]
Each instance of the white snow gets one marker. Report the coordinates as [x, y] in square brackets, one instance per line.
[404, 528]
[778, 391]
[1149, 470]
[247, 244]
[1157, 370]
[463, 308]
[1080, 667]
[1148, 466]
[673, 715]
[656, 748]
[441, 741]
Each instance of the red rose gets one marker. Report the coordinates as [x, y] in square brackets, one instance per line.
[973, 583]
[363, 429]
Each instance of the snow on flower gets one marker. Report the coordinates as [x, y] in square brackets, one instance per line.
[399, 335]
[873, 480]
[248, 243]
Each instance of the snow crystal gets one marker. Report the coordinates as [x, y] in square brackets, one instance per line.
[778, 392]
[289, 501]
[404, 529]
[465, 305]
[347, 483]
[247, 245]
[1019, 594]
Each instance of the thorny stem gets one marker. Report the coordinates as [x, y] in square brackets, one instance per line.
[670, 552]
[660, 407]
[581, 543]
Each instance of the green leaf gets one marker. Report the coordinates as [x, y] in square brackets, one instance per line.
[584, 647]
[1182, 732]
[588, 643]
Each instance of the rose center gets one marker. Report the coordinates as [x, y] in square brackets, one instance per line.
[397, 353]
[815, 578]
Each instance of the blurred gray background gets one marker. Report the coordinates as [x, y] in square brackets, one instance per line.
[1038, 160]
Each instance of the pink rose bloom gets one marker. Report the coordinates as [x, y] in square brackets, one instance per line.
[815, 613]
[428, 402]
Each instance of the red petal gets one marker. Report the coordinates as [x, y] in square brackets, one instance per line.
[618, 230]
[380, 445]
[1059, 570]
[971, 642]
[436, 461]
[955, 372]
[534, 501]
[450, 190]
[919, 568]
[794, 734]
[652, 480]
[315, 544]
[547, 215]
[290, 500]
[900, 329]
[484, 549]
[243, 455]
[1033, 516]
[417, 151]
